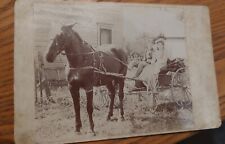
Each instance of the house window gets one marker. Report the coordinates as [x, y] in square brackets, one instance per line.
[104, 34]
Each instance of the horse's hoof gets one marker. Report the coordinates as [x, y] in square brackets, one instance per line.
[122, 119]
[78, 129]
[108, 118]
[93, 133]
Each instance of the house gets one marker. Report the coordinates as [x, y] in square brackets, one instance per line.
[131, 28]
[96, 26]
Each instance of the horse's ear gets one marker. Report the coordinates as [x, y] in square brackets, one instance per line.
[68, 28]
[65, 31]
[63, 28]
[71, 26]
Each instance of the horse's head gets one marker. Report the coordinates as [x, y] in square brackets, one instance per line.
[57, 46]
[60, 43]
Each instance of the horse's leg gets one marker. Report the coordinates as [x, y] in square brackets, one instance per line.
[89, 95]
[76, 102]
[121, 96]
[111, 89]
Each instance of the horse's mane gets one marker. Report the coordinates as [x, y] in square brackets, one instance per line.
[77, 35]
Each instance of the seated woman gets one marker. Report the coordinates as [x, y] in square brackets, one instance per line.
[155, 57]
[154, 54]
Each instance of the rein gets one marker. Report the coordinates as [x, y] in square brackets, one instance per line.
[93, 66]
[93, 52]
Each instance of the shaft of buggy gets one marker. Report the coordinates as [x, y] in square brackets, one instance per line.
[118, 75]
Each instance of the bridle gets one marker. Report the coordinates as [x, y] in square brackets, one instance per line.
[61, 48]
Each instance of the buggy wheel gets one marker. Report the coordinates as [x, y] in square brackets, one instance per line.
[187, 95]
[102, 97]
[179, 83]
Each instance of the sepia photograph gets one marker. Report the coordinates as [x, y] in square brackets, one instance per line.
[109, 71]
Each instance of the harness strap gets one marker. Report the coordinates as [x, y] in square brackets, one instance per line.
[93, 52]
[85, 68]
[88, 53]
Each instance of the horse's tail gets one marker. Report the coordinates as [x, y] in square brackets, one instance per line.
[122, 56]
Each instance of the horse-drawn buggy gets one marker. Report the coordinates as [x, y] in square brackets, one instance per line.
[175, 77]
[171, 85]
[89, 68]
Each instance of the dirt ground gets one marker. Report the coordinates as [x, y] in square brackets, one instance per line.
[56, 121]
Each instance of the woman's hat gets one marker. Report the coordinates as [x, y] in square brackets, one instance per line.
[160, 38]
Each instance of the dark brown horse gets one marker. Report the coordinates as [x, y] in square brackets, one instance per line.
[84, 61]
